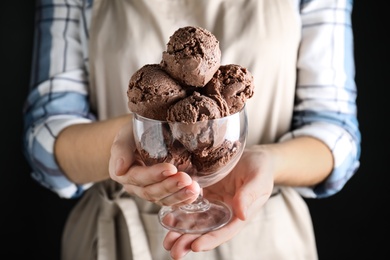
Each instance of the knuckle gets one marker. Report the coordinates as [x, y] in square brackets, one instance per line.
[148, 196]
[132, 180]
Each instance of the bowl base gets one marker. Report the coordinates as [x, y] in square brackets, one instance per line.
[216, 215]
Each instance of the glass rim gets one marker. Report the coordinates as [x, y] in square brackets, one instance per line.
[142, 118]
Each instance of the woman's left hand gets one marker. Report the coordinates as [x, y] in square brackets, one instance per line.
[245, 189]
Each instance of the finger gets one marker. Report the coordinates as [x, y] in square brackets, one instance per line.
[170, 239]
[180, 245]
[250, 203]
[186, 195]
[142, 176]
[176, 189]
[122, 153]
[243, 201]
[251, 196]
[215, 238]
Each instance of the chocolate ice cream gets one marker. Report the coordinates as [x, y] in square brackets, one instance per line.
[214, 158]
[196, 131]
[192, 56]
[157, 145]
[186, 92]
[194, 108]
[152, 91]
[233, 83]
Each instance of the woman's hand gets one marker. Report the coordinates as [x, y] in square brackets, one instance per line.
[160, 183]
[246, 189]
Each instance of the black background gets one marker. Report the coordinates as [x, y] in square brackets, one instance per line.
[350, 225]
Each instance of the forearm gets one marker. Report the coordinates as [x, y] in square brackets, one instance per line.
[83, 150]
[303, 161]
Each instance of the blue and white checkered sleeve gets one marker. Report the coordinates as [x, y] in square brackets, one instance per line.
[58, 94]
[325, 105]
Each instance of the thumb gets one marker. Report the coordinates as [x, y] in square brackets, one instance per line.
[249, 200]
[122, 153]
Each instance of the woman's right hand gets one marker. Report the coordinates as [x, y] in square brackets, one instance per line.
[161, 183]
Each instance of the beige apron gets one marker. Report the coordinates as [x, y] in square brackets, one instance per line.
[262, 35]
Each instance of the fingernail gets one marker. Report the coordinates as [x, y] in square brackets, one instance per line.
[167, 173]
[181, 184]
[245, 212]
[118, 166]
[190, 192]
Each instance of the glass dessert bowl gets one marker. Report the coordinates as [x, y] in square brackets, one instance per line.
[206, 150]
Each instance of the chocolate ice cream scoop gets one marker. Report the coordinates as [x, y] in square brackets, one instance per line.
[195, 129]
[194, 108]
[192, 56]
[154, 144]
[233, 83]
[214, 158]
[152, 91]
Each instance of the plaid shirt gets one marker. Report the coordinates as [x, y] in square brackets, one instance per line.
[325, 105]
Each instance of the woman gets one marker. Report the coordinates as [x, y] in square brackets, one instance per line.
[303, 138]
